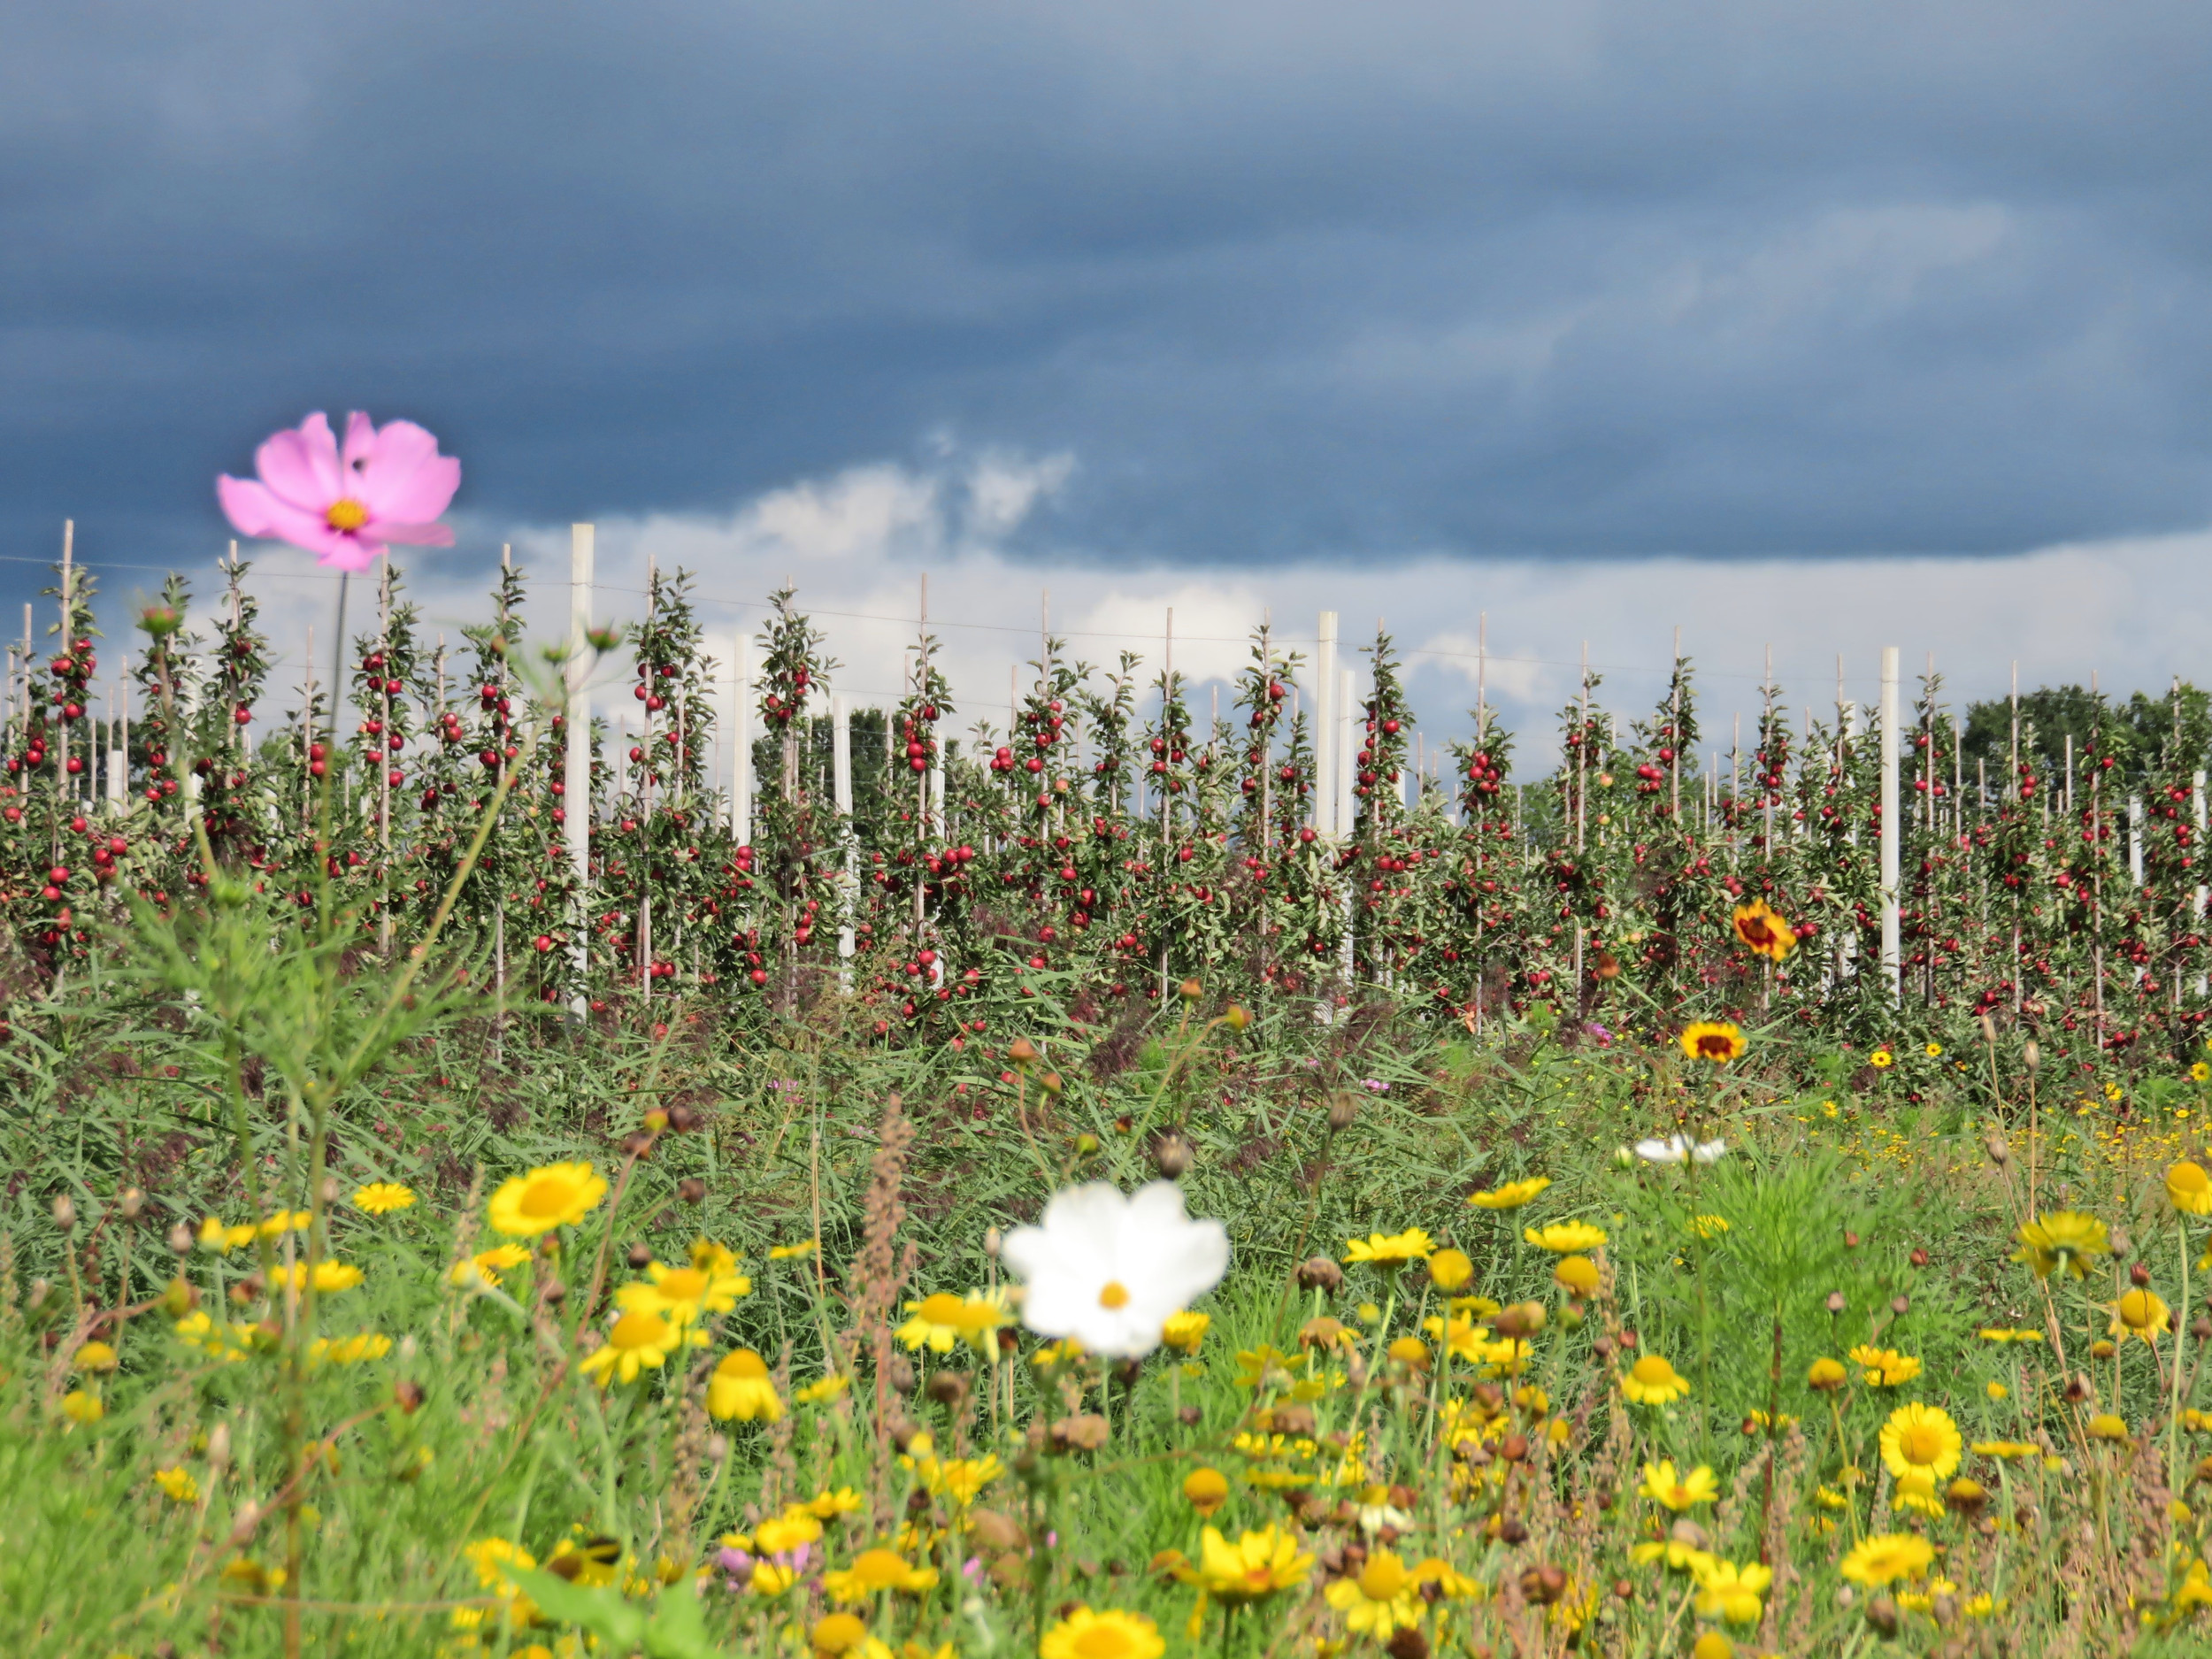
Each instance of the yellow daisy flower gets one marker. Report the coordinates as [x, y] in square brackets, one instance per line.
[1565, 1238]
[381, 1198]
[1393, 1249]
[1512, 1195]
[552, 1195]
[636, 1340]
[1652, 1381]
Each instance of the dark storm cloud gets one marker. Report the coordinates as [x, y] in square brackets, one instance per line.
[1288, 281]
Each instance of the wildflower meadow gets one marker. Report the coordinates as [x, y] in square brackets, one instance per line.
[555, 1148]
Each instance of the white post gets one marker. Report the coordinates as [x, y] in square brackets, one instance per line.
[576, 770]
[742, 740]
[2196, 813]
[841, 788]
[1347, 773]
[1325, 727]
[2135, 840]
[1891, 953]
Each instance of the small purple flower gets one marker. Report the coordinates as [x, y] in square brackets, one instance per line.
[1374, 1085]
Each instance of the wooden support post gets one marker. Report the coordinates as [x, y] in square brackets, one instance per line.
[1892, 956]
[576, 752]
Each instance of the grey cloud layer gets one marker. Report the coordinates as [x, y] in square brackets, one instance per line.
[1292, 282]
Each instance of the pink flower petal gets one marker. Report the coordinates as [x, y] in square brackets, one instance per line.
[412, 535]
[403, 477]
[255, 510]
[351, 553]
[302, 467]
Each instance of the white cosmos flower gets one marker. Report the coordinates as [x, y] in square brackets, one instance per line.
[1678, 1148]
[1109, 1270]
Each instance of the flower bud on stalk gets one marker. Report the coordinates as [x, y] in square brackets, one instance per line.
[64, 1213]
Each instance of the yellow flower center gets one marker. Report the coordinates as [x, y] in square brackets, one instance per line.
[1920, 1444]
[345, 513]
[1115, 1295]
[1382, 1578]
[683, 1284]
[636, 1331]
[879, 1568]
[549, 1195]
[1104, 1642]
[837, 1634]
[941, 1308]
[744, 1362]
[1652, 1370]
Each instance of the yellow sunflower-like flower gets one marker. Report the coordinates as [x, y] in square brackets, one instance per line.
[2188, 1188]
[1565, 1238]
[1662, 1485]
[741, 1388]
[178, 1483]
[821, 1390]
[1886, 1557]
[381, 1198]
[1450, 1270]
[787, 1252]
[2063, 1241]
[684, 1294]
[1392, 1249]
[552, 1195]
[329, 1276]
[636, 1342]
[1885, 1367]
[1381, 1598]
[1084, 1634]
[874, 1572]
[1258, 1564]
[81, 1405]
[1185, 1330]
[1512, 1195]
[2108, 1425]
[2140, 1313]
[1763, 932]
[94, 1357]
[1729, 1592]
[1714, 1039]
[1652, 1381]
[1923, 1437]
[2201, 1072]
[1915, 1490]
[1577, 1276]
[942, 1321]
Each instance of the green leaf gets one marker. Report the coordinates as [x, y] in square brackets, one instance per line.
[678, 1629]
[605, 1612]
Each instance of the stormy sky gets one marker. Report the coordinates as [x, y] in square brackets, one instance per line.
[1820, 326]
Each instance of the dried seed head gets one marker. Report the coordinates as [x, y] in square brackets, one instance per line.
[1989, 1029]
[1342, 1110]
[1320, 1273]
[218, 1447]
[640, 1256]
[130, 1203]
[249, 1522]
[898, 1371]
[331, 1191]
[180, 1239]
[1171, 1156]
[719, 1448]
[1881, 1613]
[1900, 1306]
[692, 1190]
[683, 1119]
[2000, 1151]
[2031, 1056]
[1835, 1302]
[408, 1394]
[994, 1242]
[64, 1212]
[948, 1388]
[1022, 1052]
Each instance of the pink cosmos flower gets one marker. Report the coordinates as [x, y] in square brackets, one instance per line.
[387, 485]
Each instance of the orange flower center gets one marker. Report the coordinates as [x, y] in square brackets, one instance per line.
[1713, 1046]
[1382, 1578]
[1115, 1295]
[345, 513]
[683, 1284]
[636, 1331]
